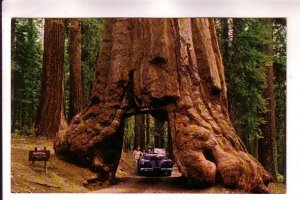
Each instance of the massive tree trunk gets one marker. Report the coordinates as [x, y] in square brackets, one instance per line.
[51, 116]
[75, 68]
[172, 67]
[267, 144]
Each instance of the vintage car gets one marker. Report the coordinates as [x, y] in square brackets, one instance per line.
[155, 163]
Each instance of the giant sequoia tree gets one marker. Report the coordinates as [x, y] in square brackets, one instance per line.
[173, 68]
[75, 68]
[50, 115]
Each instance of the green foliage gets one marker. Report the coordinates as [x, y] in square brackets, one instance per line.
[279, 38]
[26, 72]
[27, 66]
[242, 42]
[245, 75]
[91, 37]
[129, 133]
[66, 71]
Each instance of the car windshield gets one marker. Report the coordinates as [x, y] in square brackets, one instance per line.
[153, 156]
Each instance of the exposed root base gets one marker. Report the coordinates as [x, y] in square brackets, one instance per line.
[170, 66]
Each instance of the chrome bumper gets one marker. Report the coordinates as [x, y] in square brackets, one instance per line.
[155, 169]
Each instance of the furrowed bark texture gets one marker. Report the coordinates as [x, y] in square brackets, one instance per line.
[51, 116]
[170, 68]
[139, 131]
[159, 133]
[75, 68]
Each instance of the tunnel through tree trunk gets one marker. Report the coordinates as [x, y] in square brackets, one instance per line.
[169, 65]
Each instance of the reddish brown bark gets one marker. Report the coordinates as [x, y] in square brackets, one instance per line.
[75, 68]
[170, 145]
[267, 144]
[172, 67]
[142, 133]
[51, 117]
[139, 131]
[159, 133]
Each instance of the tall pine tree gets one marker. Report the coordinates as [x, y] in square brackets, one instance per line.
[267, 143]
[241, 45]
[279, 65]
[26, 70]
[91, 40]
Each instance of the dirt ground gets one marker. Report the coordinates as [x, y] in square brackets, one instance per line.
[63, 177]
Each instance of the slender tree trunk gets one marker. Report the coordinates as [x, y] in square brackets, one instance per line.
[1, 90]
[75, 68]
[172, 66]
[162, 136]
[50, 116]
[126, 138]
[28, 106]
[225, 40]
[142, 133]
[231, 59]
[139, 130]
[156, 134]
[136, 132]
[268, 144]
[284, 157]
[170, 145]
[14, 78]
[159, 132]
[147, 127]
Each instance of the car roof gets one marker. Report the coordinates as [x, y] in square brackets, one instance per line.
[153, 154]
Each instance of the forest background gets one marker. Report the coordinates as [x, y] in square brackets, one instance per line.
[249, 47]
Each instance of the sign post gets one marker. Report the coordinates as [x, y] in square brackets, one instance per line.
[39, 155]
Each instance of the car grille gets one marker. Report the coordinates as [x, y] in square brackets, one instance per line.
[147, 164]
[155, 163]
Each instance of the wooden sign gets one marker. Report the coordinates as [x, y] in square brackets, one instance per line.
[39, 155]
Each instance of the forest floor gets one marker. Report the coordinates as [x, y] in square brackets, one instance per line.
[63, 177]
